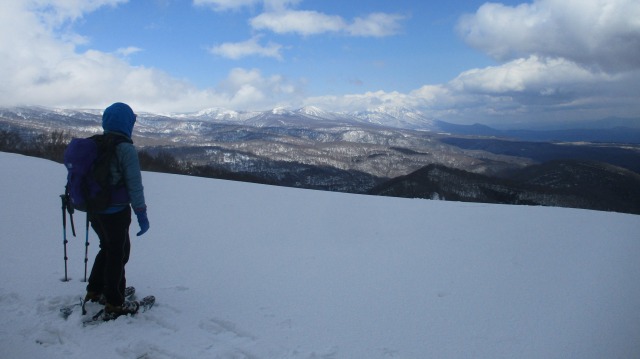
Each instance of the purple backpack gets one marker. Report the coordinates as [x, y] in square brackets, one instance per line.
[88, 162]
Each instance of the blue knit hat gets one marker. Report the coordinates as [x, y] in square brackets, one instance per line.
[120, 118]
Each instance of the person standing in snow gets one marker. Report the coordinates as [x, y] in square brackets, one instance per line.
[107, 279]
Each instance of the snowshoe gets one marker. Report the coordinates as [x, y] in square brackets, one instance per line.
[111, 312]
[92, 297]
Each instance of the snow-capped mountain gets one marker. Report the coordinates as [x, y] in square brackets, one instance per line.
[215, 114]
[400, 117]
[313, 112]
[396, 117]
[312, 148]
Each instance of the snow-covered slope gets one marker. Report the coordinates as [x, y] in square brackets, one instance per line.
[251, 271]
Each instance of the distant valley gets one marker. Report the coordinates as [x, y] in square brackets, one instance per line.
[385, 152]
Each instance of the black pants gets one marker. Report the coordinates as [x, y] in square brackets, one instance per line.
[108, 274]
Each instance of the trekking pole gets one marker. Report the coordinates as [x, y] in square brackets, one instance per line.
[64, 234]
[86, 248]
[66, 208]
[70, 210]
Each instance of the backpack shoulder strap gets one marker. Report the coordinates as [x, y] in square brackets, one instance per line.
[113, 140]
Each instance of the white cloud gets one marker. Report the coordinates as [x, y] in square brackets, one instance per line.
[301, 22]
[566, 73]
[126, 51]
[280, 17]
[279, 5]
[224, 5]
[367, 100]
[571, 58]
[531, 89]
[237, 50]
[377, 25]
[531, 75]
[39, 66]
[249, 89]
[313, 22]
[56, 12]
[534, 89]
[600, 33]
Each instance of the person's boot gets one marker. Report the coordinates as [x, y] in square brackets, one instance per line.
[128, 307]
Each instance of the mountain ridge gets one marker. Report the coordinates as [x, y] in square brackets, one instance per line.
[306, 148]
[560, 183]
[615, 130]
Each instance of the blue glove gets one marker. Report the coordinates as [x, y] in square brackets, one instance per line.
[143, 221]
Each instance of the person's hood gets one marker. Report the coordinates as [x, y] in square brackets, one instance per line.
[120, 118]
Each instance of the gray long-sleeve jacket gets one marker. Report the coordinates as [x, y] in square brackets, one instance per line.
[119, 119]
[127, 169]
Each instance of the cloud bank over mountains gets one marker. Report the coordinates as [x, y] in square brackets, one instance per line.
[554, 60]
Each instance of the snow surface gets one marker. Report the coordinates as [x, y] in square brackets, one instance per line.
[252, 271]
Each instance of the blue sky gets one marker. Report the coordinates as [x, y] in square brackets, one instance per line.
[460, 61]
[178, 38]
